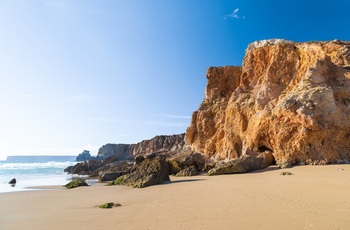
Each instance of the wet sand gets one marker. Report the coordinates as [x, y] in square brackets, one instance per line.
[315, 197]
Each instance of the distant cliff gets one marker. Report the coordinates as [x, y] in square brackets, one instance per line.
[163, 143]
[288, 98]
[121, 151]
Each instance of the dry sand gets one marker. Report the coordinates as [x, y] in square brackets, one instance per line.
[315, 197]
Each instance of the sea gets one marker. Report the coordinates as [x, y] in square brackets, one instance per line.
[32, 171]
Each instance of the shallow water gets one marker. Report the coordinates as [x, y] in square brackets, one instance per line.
[33, 174]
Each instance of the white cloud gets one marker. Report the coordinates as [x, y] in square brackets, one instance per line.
[233, 15]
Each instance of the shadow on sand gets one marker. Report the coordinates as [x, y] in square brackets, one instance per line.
[182, 181]
[268, 169]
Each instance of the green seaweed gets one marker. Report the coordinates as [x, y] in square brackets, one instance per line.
[110, 205]
[119, 180]
[76, 183]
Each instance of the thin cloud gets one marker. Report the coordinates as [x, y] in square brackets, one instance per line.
[233, 15]
[174, 116]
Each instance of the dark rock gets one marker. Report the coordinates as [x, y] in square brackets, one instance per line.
[110, 205]
[76, 183]
[244, 164]
[286, 173]
[84, 156]
[68, 169]
[13, 181]
[110, 176]
[190, 171]
[151, 171]
[110, 160]
[139, 159]
[184, 160]
[86, 167]
[121, 167]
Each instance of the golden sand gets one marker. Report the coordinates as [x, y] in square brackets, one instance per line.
[315, 197]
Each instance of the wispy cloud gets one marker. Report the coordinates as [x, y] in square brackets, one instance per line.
[173, 116]
[234, 15]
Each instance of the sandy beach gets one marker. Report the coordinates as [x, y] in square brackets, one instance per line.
[315, 197]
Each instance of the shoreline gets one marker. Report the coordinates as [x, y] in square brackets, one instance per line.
[315, 197]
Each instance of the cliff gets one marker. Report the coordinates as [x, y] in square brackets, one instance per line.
[291, 99]
[120, 151]
[158, 144]
[162, 143]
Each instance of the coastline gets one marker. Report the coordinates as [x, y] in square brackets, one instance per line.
[315, 197]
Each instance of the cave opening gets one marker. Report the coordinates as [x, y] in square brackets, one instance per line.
[263, 148]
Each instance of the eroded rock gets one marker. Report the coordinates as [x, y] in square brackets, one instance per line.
[288, 98]
[151, 171]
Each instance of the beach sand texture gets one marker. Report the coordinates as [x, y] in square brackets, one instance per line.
[315, 197]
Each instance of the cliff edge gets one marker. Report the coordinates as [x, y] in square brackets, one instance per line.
[288, 98]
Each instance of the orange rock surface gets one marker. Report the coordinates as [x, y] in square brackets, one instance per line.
[292, 99]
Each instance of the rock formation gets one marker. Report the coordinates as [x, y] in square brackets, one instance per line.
[244, 164]
[292, 99]
[84, 156]
[159, 144]
[151, 171]
[185, 160]
[121, 151]
[190, 171]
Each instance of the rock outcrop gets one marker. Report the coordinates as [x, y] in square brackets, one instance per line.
[121, 151]
[159, 144]
[292, 99]
[151, 171]
[185, 160]
[243, 164]
[84, 156]
[190, 171]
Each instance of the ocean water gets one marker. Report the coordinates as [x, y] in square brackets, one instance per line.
[31, 174]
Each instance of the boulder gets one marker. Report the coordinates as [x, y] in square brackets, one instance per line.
[68, 169]
[110, 176]
[116, 167]
[190, 171]
[110, 205]
[184, 160]
[244, 164]
[151, 171]
[86, 167]
[76, 183]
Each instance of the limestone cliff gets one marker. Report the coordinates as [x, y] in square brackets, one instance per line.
[163, 143]
[292, 99]
[158, 144]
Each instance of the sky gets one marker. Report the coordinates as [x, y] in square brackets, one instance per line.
[77, 74]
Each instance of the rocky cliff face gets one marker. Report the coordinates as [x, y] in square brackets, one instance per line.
[292, 99]
[121, 151]
[172, 143]
[158, 144]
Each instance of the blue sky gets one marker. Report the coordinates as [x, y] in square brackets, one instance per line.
[76, 74]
